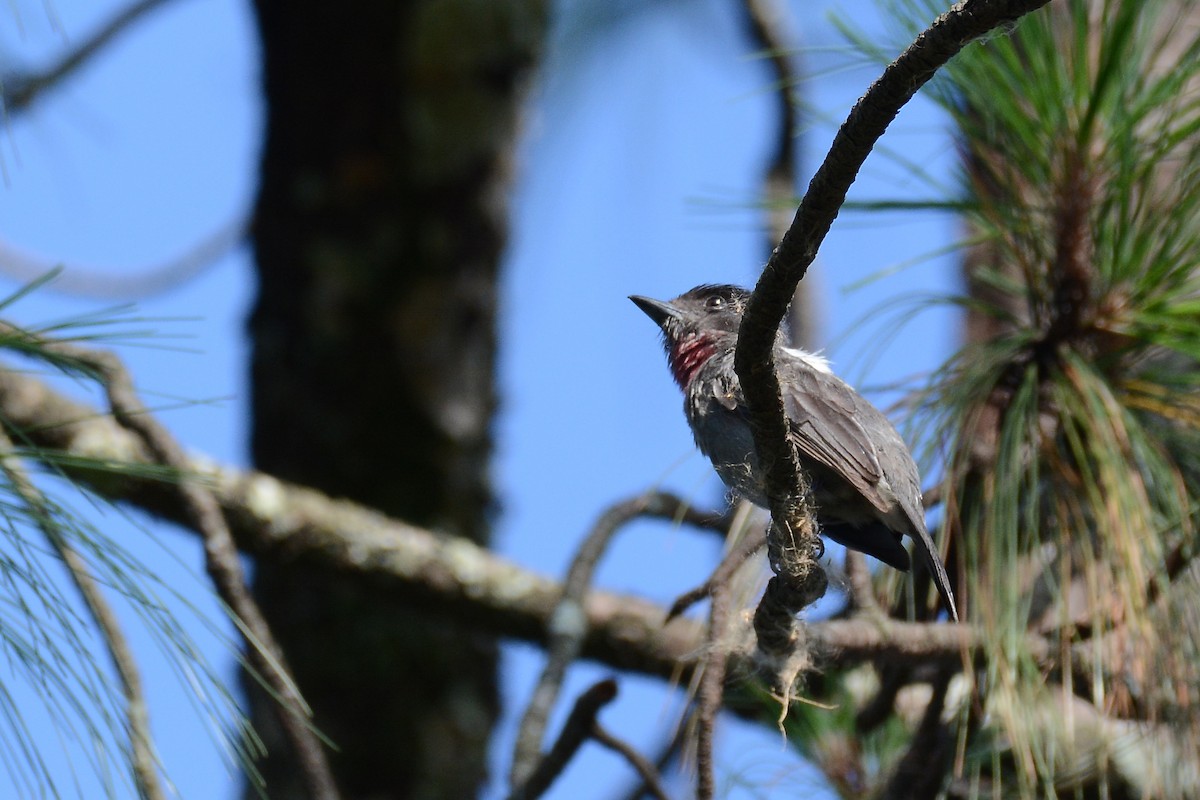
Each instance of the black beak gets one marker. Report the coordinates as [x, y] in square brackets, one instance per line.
[656, 310]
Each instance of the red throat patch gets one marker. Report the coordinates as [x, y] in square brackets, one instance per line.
[688, 356]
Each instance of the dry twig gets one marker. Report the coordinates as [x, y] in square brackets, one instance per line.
[711, 692]
[668, 752]
[568, 624]
[576, 730]
[651, 782]
[730, 564]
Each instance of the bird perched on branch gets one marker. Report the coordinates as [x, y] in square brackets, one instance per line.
[863, 480]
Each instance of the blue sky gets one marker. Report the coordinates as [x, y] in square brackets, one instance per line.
[638, 173]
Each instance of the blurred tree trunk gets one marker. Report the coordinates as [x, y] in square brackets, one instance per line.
[378, 234]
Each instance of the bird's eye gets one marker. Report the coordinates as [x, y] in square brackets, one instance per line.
[715, 303]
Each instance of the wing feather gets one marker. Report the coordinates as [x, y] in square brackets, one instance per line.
[836, 427]
[827, 419]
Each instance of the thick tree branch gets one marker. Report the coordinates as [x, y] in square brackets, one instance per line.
[274, 520]
[866, 123]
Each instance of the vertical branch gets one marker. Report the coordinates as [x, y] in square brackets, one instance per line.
[862, 592]
[765, 25]
[711, 692]
[762, 18]
[405, 155]
[141, 745]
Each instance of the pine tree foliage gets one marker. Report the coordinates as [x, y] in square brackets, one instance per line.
[50, 641]
[1069, 426]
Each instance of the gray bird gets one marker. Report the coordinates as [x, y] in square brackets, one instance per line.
[864, 483]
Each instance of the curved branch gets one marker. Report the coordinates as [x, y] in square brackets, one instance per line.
[731, 562]
[82, 281]
[19, 90]
[567, 628]
[866, 123]
[576, 730]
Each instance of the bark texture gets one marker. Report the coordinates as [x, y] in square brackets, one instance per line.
[378, 234]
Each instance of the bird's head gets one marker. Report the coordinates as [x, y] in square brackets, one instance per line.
[696, 325]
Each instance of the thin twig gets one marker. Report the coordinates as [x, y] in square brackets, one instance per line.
[867, 121]
[650, 777]
[141, 745]
[720, 576]
[568, 625]
[19, 90]
[81, 281]
[221, 557]
[711, 691]
[668, 752]
[575, 732]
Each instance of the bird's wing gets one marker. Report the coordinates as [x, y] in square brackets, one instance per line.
[830, 422]
[838, 428]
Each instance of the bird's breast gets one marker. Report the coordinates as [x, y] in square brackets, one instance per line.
[722, 433]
